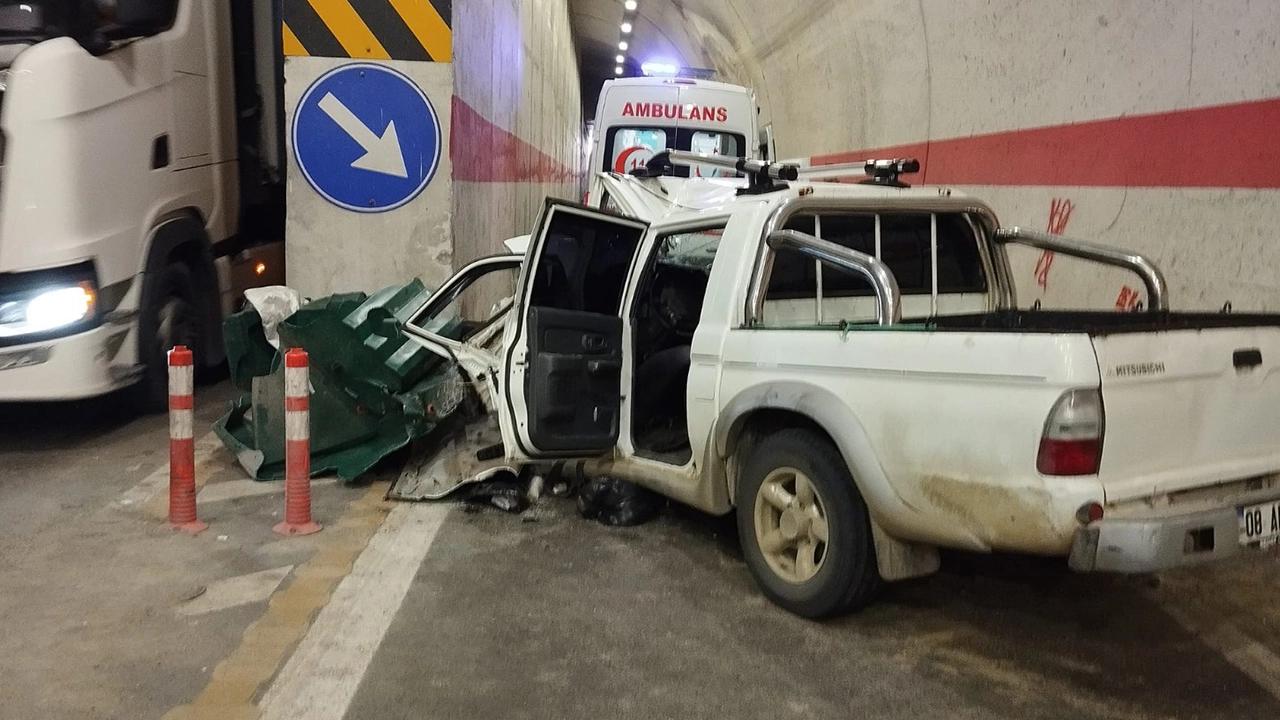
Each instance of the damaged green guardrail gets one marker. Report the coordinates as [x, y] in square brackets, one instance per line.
[373, 389]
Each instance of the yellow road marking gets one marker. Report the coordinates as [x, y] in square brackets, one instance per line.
[236, 681]
[427, 25]
[292, 45]
[354, 36]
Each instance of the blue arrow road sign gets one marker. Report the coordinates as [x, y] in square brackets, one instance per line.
[366, 137]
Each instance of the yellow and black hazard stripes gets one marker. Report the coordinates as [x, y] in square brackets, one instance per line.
[369, 29]
[430, 23]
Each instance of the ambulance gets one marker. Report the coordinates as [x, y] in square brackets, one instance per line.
[640, 117]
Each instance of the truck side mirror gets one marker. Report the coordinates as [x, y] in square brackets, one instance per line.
[137, 18]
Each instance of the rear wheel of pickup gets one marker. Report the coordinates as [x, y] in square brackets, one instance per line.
[804, 527]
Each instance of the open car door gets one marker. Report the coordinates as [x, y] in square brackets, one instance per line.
[561, 374]
[462, 322]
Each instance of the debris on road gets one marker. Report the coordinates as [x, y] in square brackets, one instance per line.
[274, 304]
[504, 491]
[613, 501]
[452, 457]
[374, 390]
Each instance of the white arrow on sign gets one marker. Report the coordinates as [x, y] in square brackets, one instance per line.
[381, 154]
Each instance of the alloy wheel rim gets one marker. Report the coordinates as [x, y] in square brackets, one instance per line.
[791, 525]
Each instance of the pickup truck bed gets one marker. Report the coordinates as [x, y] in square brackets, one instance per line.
[1191, 403]
[1096, 323]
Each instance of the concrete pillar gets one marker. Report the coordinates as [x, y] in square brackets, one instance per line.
[368, 98]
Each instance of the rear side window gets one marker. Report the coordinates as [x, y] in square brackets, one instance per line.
[804, 291]
[959, 262]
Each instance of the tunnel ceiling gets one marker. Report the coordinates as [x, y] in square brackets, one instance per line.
[735, 38]
[661, 31]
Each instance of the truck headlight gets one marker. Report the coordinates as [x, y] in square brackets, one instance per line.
[48, 309]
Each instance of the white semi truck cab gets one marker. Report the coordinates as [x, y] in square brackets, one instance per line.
[140, 190]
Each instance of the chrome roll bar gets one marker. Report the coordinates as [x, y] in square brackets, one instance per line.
[888, 298]
[1157, 289]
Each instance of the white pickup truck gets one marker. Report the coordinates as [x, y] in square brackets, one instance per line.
[845, 366]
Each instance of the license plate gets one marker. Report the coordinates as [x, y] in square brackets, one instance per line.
[1260, 524]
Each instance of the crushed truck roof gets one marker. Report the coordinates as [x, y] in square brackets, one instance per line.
[670, 200]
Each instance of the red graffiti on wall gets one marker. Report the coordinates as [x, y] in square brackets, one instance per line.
[1128, 299]
[1059, 215]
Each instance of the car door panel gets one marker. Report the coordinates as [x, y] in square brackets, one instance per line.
[575, 379]
[563, 360]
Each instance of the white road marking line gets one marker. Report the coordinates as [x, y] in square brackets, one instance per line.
[235, 591]
[158, 480]
[321, 677]
[233, 489]
[1246, 654]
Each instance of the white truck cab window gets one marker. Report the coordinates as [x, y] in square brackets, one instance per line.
[803, 292]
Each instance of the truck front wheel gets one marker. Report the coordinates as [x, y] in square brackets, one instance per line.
[804, 527]
[170, 316]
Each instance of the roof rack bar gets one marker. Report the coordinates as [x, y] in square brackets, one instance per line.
[834, 170]
[773, 171]
[876, 172]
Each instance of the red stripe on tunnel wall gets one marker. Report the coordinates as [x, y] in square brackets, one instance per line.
[1225, 146]
[483, 152]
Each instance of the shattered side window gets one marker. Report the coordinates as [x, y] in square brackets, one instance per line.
[472, 305]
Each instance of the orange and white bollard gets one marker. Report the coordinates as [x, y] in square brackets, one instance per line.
[182, 445]
[297, 447]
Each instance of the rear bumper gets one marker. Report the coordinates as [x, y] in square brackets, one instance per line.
[1139, 545]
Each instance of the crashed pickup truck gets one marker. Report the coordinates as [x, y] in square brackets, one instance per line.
[846, 367]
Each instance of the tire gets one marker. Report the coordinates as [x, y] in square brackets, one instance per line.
[840, 574]
[170, 316]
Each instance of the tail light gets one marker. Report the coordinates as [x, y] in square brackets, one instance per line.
[1072, 439]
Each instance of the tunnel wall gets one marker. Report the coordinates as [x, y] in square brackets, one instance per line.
[517, 118]
[1145, 125]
